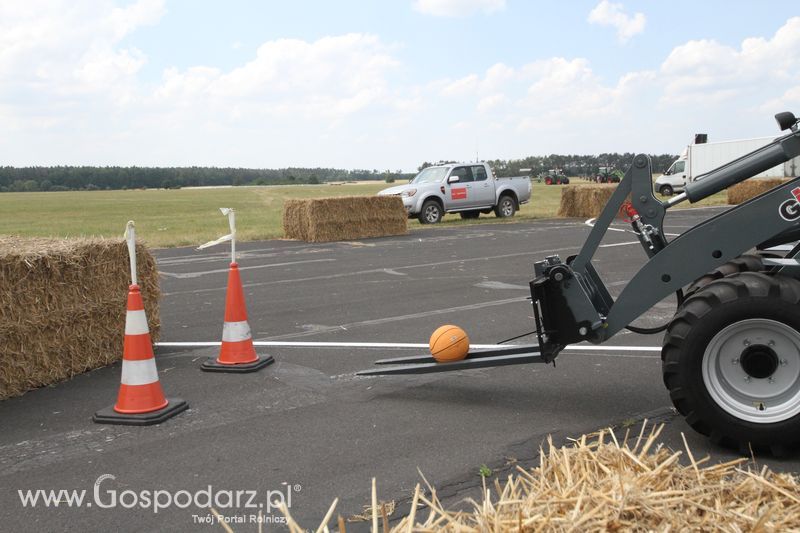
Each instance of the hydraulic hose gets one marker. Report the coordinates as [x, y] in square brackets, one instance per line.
[659, 329]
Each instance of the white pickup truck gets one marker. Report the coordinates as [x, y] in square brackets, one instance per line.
[466, 188]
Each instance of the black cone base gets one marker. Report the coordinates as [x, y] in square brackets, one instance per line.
[110, 416]
[213, 366]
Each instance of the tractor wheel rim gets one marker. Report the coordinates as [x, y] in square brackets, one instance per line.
[751, 369]
[432, 213]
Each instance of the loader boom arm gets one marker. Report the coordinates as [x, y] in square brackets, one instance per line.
[571, 303]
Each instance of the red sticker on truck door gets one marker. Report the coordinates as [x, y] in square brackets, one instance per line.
[458, 194]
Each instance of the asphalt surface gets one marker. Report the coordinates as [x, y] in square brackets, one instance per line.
[306, 426]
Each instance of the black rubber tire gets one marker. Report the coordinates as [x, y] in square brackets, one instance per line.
[506, 207]
[470, 214]
[666, 190]
[427, 210]
[711, 309]
[743, 263]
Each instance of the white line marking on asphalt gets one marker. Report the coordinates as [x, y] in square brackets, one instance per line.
[397, 318]
[590, 222]
[535, 253]
[500, 286]
[250, 256]
[221, 256]
[379, 270]
[309, 344]
[220, 270]
[624, 355]
[618, 244]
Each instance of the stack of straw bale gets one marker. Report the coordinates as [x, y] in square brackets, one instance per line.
[606, 483]
[584, 201]
[62, 307]
[741, 192]
[344, 218]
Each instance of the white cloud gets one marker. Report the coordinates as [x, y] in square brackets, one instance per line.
[458, 8]
[331, 77]
[608, 13]
[541, 90]
[566, 89]
[124, 20]
[73, 44]
[493, 101]
[788, 101]
[73, 90]
[464, 85]
[707, 71]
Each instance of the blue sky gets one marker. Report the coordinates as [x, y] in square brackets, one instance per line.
[384, 84]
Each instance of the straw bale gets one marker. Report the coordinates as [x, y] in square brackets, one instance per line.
[741, 192]
[344, 218]
[609, 483]
[584, 201]
[295, 219]
[62, 307]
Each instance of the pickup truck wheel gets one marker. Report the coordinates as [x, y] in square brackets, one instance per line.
[506, 207]
[666, 190]
[431, 212]
[470, 214]
[731, 362]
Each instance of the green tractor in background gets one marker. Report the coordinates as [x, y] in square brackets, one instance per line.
[554, 176]
[608, 174]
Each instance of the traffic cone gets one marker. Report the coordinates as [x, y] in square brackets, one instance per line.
[237, 353]
[141, 400]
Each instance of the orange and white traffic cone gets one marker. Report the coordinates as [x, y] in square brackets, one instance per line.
[141, 400]
[237, 353]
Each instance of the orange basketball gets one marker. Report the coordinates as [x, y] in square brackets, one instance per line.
[449, 343]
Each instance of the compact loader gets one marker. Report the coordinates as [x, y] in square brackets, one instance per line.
[731, 353]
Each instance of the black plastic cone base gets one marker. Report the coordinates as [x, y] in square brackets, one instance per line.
[110, 416]
[213, 366]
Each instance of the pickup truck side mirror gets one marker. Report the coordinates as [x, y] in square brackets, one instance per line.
[453, 179]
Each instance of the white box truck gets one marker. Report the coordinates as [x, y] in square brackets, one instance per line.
[699, 159]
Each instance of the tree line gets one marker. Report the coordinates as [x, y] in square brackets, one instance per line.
[572, 165]
[66, 178]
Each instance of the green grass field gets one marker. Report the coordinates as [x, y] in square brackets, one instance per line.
[189, 217]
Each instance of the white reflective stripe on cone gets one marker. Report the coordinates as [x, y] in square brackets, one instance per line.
[235, 331]
[136, 323]
[139, 372]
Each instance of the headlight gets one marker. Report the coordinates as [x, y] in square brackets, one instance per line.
[408, 193]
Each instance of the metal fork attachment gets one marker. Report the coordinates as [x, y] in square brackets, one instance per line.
[426, 364]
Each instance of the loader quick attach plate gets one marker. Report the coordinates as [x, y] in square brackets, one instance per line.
[564, 307]
[426, 364]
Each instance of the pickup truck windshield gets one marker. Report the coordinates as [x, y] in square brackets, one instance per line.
[430, 175]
